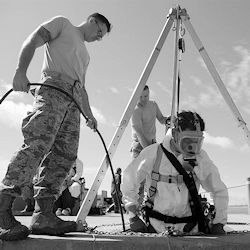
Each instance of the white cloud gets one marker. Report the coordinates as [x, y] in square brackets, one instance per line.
[129, 89]
[11, 113]
[221, 141]
[190, 102]
[237, 76]
[246, 109]
[98, 115]
[211, 97]
[196, 80]
[152, 94]
[114, 90]
[165, 87]
[245, 148]
[202, 63]
[4, 87]
[242, 68]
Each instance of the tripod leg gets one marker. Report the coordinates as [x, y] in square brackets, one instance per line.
[217, 79]
[176, 59]
[86, 205]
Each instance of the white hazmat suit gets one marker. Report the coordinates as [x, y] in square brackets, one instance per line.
[172, 199]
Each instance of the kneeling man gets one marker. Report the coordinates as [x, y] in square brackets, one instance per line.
[173, 172]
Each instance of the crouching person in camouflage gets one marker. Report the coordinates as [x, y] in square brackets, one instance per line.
[51, 130]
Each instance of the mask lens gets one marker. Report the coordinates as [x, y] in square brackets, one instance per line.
[191, 145]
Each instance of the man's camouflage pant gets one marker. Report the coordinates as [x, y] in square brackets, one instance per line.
[51, 138]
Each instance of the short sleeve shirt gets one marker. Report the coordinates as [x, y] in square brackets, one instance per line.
[145, 117]
[66, 52]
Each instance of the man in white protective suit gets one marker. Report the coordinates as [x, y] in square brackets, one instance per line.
[171, 199]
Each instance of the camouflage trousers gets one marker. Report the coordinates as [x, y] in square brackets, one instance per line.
[51, 138]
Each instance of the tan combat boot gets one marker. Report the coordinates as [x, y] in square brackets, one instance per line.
[44, 221]
[10, 228]
[29, 207]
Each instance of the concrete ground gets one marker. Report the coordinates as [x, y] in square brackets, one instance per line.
[115, 238]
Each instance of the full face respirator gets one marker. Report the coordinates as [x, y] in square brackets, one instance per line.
[189, 141]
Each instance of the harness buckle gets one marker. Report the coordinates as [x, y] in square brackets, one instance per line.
[155, 176]
[152, 191]
[149, 204]
[179, 179]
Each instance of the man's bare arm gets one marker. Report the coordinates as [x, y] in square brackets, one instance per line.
[36, 39]
[162, 119]
[92, 123]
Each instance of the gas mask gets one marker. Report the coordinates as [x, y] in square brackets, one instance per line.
[189, 141]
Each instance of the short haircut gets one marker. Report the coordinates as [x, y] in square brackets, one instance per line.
[118, 170]
[188, 120]
[99, 17]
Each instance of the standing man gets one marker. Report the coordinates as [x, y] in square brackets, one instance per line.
[143, 123]
[117, 182]
[51, 130]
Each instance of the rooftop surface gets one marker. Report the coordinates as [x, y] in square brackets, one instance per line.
[108, 235]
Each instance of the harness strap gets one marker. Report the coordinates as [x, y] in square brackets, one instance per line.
[190, 183]
[155, 176]
[169, 219]
[149, 204]
[178, 179]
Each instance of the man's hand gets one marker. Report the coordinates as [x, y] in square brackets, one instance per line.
[92, 123]
[167, 120]
[137, 225]
[20, 82]
[218, 229]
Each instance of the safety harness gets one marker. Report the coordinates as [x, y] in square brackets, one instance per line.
[188, 179]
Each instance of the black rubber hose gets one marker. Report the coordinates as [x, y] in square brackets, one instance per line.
[86, 118]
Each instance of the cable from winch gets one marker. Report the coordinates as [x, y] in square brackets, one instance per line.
[181, 50]
[86, 118]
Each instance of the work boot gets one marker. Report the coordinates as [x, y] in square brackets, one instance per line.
[44, 221]
[10, 228]
[29, 208]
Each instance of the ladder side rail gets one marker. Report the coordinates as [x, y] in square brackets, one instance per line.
[86, 205]
[211, 68]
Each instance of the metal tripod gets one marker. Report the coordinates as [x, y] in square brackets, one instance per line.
[176, 15]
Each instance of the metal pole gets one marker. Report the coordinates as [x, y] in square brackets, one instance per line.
[248, 194]
[176, 54]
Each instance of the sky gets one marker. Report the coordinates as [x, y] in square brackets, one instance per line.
[117, 63]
